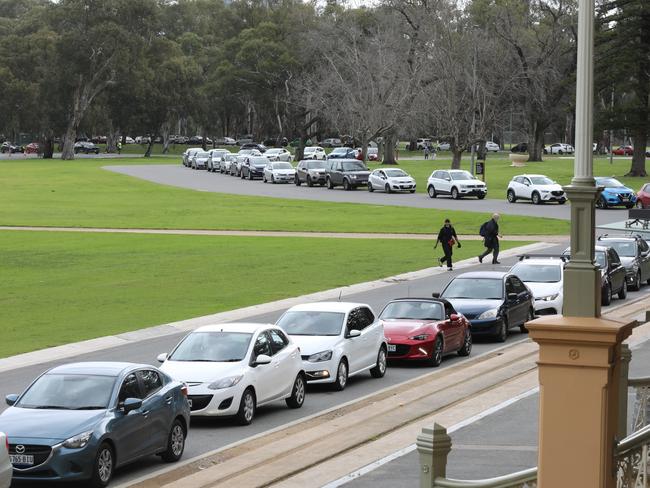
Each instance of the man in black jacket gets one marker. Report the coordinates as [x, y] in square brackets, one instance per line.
[447, 237]
[491, 239]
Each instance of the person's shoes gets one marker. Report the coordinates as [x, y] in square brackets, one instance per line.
[450, 269]
[440, 262]
[496, 262]
[480, 259]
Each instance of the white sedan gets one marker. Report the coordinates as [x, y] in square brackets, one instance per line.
[279, 154]
[314, 152]
[337, 340]
[6, 469]
[231, 369]
[279, 173]
[559, 148]
[390, 180]
[492, 146]
[545, 278]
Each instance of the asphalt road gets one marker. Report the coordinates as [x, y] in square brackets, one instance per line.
[180, 176]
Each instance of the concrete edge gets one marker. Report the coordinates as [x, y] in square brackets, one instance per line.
[102, 343]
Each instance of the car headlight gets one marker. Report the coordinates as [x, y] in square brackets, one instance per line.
[420, 337]
[489, 314]
[78, 441]
[225, 382]
[354, 177]
[549, 298]
[320, 356]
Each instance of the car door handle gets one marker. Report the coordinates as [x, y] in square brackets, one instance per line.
[168, 400]
[145, 413]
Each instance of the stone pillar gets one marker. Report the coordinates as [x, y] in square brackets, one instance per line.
[433, 446]
[579, 376]
[624, 373]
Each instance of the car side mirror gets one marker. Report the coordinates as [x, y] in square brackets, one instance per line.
[131, 404]
[262, 359]
[162, 357]
[354, 333]
[453, 317]
[512, 296]
[11, 399]
[435, 295]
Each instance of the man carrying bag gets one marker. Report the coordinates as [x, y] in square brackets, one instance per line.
[447, 237]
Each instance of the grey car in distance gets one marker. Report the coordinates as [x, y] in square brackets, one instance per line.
[78, 422]
[310, 171]
[349, 173]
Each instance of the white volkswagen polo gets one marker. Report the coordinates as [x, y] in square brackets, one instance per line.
[231, 369]
[337, 340]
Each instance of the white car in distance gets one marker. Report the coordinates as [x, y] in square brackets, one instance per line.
[214, 161]
[455, 182]
[314, 152]
[231, 369]
[544, 276]
[337, 340]
[279, 173]
[536, 188]
[200, 160]
[391, 180]
[279, 154]
[559, 148]
[6, 468]
[492, 146]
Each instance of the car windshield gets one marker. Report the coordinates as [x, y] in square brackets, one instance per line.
[609, 182]
[214, 347]
[395, 173]
[246, 151]
[414, 310]
[282, 166]
[315, 165]
[202, 154]
[69, 392]
[461, 175]
[601, 260]
[311, 323]
[538, 273]
[274, 151]
[260, 160]
[624, 248]
[541, 180]
[312, 149]
[373, 150]
[353, 166]
[477, 288]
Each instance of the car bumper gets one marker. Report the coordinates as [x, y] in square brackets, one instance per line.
[358, 182]
[210, 403]
[472, 192]
[321, 372]
[550, 307]
[485, 326]
[404, 187]
[615, 200]
[62, 464]
[549, 197]
[409, 349]
[284, 178]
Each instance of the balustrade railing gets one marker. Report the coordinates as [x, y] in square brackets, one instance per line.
[631, 460]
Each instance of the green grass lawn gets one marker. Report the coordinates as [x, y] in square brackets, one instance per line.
[80, 193]
[62, 287]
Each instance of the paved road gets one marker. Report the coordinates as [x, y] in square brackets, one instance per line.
[180, 176]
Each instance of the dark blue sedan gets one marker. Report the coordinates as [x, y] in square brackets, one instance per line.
[81, 421]
[492, 301]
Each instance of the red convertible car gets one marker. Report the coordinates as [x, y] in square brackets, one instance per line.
[425, 329]
[623, 151]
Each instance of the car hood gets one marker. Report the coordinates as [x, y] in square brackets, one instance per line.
[549, 187]
[401, 179]
[618, 190]
[405, 328]
[48, 424]
[200, 372]
[284, 171]
[470, 182]
[544, 289]
[312, 344]
[472, 307]
[358, 173]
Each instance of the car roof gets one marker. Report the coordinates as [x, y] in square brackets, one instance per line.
[528, 175]
[99, 368]
[441, 301]
[618, 238]
[499, 275]
[596, 248]
[552, 260]
[246, 327]
[327, 307]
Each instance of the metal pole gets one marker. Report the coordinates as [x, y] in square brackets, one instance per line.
[611, 133]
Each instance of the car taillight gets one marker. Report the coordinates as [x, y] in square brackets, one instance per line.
[184, 390]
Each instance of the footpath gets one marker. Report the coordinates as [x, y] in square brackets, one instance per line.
[342, 444]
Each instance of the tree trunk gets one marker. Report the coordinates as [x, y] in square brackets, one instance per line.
[389, 155]
[111, 140]
[165, 129]
[536, 142]
[69, 139]
[364, 149]
[48, 147]
[380, 149]
[203, 143]
[638, 156]
[457, 156]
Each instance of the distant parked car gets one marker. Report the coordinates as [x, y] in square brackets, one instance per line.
[198, 140]
[314, 152]
[225, 141]
[129, 140]
[522, 147]
[253, 167]
[252, 145]
[232, 369]
[391, 180]
[348, 173]
[614, 193]
[279, 154]
[279, 172]
[372, 154]
[343, 153]
[200, 160]
[7, 147]
[226, 162]
[32, 148]
[188, 154]
[634, 253]
[559, 148]
[623, 151]
[544, 276]
[81, 421]
[311, 172]
[455, 182]
[444, 146]
[85, 148]
[332, 142]
[422, 143]
[214, 160]
[643, 196]
[536, 188]
[492, 146]
[6, 468]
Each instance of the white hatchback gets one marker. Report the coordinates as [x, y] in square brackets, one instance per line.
[536, 188]
[337, 340]
[390, 180]
[231, 369]
[455, 182]
[314, 152]
[6, 469]
[279, 173]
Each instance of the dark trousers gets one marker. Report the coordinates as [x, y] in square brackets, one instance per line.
[447, 249]
[492, 247]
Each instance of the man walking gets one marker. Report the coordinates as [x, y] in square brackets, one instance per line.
[447, 237]
[490, 233]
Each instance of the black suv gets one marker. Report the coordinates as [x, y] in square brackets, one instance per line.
[635, 256]
[612, 273]
[351, 173]
[254, 167]
[85, 147]
[311, 171]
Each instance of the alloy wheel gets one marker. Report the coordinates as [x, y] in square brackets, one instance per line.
[178, 440]
[105, 464]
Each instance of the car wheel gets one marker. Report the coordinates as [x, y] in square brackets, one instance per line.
[502, 333]
[436, 352]
[560, 152]
[629, 205]
[601, 203]
[175, 443]
[296, 180]
[380, 367]
[531, 316]
[535, 198]
[562, 201]
[606, 297]
[264, 180]
[341, 375]
[104, 466]
[309, 182]
[637, 282]
[329, 183]
[623, 293]
[250, 175]
[242, 175]
[466, 348]
[246, 410]
[297, 397]
[454, 193]
[511, 197]
[480, 197]
[346, 184]
[411, 191]
[370, 187]
[545, 151]
[432, 191]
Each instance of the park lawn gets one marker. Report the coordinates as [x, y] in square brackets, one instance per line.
[60, 287]
[81, 194]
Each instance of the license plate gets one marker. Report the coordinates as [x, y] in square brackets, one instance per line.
[392, 348]
[21, 459]
[189, 400]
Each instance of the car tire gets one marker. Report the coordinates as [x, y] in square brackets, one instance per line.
[561, 201]
[466, 348]
[264, 180]
[370, 187]
[330, 186]
[379, 370]
[411, 191]
[531, 316]
[297, 397]
[247, 407]
[606, 297]
[629, 205]
[637, 282]
[601, 203]
[341, 375]
[454, 194]
[560, 152]
[296, 180]
[346, 184]
[535, 198]
[432, 191]
[309, 182]
[436, 352]
[250, 176]
[175, 443]
[622, 294]
[388, 189]
[502, 333]
[511, 197]
[480, 197]
[273, 179]
[104, 466]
